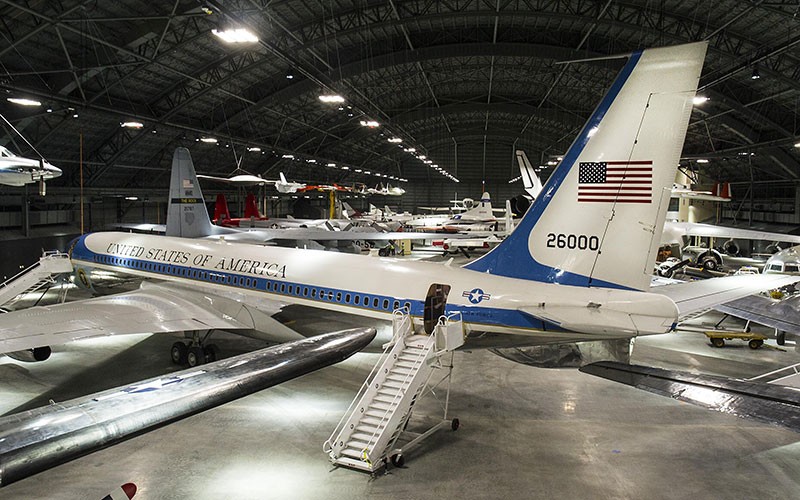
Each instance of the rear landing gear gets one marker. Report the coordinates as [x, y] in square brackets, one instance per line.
[195, 353]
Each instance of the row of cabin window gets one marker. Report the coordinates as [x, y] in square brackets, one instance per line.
[251, 283]
[304, 291]
[182, 271]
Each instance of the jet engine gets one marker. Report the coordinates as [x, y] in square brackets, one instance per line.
[31, 355]
[519, 205]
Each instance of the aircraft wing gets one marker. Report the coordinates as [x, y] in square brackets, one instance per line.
[769, 403]
[781, 314]
[302, 233]
[154, 308]
[710, 230]
[695, 296]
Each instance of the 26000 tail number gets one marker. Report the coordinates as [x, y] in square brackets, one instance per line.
[573, 241]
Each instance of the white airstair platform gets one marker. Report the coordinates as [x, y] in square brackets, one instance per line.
[366, 436]
[38, 275]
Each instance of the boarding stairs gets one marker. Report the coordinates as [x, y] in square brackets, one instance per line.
[42, 273]
[366, 435]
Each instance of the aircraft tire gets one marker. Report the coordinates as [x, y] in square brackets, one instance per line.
[781, 338]
[717, 342]
[709, 263]
[195, 356]
[455, 424]
[398, 460]
[178, 353]
[211, 352]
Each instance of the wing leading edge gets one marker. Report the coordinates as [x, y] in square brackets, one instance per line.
[154, 308]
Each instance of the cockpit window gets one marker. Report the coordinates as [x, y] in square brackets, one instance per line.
[791, 268]
[6, 153]
[775, 267]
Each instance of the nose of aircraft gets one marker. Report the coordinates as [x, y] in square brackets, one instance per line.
[52, 170]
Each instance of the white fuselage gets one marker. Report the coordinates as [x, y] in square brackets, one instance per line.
[375, 287]
[18, 171]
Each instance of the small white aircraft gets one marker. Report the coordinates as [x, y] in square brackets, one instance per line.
[576, 268]
[282, 185]
[18, 171]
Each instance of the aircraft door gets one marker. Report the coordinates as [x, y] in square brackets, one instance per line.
[435, 302]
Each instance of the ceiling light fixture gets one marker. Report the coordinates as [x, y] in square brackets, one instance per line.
[239, 35]
[395, 140]
[701, 160]
[132, 124]
[369, 123]
[756, 75]
[699, 99]
[23, 102]
[331, 98]
[254, 149]
[208, 140]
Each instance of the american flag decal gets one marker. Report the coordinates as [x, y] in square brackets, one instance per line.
[188, 184]
[615, 181]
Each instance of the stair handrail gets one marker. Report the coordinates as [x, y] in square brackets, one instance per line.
[327, 446]
[385, 417]
[8, 282]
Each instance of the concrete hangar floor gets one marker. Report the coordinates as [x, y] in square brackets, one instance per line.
[525, 432]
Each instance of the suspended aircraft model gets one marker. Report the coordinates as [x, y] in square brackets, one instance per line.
[281, 184]
[18, 171]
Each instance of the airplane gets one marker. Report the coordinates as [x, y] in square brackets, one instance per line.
[480, 217]
[281, 185]
[18, 171]
[531, 183]
[576, 268]
[386, 190]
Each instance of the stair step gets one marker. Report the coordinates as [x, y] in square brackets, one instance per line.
[352, 452]
[365, 437]
[369, 429]
[387, 398]
[380, 405]
[357, 445]
[354, 464]
[377, 413]
[395, 384]
[371, 421]
[399, 377]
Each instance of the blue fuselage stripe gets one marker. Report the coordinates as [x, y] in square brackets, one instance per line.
[276, 285]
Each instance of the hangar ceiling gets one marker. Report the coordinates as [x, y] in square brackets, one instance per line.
[464, 82]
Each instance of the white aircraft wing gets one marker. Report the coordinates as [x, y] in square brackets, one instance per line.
[154, 308]
[695, 296]
[244, 179]
[710, 230]
[780, 314]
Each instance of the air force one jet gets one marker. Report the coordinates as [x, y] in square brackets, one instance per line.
[577, 267]
[18, 171]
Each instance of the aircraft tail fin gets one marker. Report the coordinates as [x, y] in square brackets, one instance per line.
[221, 211]
[187, 215]
[251, 207]
[283, 178]
[481, 211]
[531, 181]
[599, 219]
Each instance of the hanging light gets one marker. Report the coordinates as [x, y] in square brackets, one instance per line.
[756, 75]
[239, 35]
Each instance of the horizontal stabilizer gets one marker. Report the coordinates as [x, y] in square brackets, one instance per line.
[765, 402]
[695, 296]
[779, 314]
